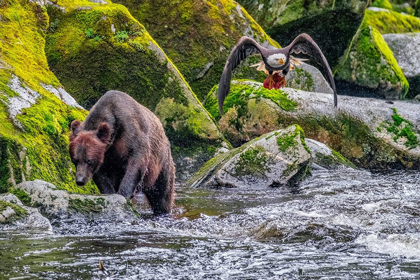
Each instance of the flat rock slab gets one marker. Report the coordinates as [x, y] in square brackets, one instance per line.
[55, 203]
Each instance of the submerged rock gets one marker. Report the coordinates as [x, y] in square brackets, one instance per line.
[15, 215]
[274, 159]
[331, 23]
[55, 203]
[406, 50]
[372, 133]
[102, 47]
[199, 35]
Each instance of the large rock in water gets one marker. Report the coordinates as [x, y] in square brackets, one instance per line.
[406, 49]
[99, 47]
[199, 35]
[275, 159]
[35, 110]
[370, 67]
[331, 23]
[372, 133]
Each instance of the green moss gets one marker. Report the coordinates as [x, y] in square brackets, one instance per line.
[39, 150]
[391, 22]
[19, 211]
[197, 35]
[290, 141]
[87, 206]
[417, 9]
[370, 63]
[401, 128]
[23, 196]
[253, 162]
[239, 94]
[129, 60]
[385, 4]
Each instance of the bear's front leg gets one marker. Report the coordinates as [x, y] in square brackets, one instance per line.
[103, 182]
[131, 178]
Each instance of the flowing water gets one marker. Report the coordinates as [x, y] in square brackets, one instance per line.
[342, 224]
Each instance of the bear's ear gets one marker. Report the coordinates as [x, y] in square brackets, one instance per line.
[104, 132]
[75, 127]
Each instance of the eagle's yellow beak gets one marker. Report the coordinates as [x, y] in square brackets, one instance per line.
[281, 61]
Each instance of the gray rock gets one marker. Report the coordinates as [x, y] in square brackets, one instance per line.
[406, 49]
[372, 133]
[309, 78]
[325, 157]
[32, 219]
[58, 203]
[271, 160]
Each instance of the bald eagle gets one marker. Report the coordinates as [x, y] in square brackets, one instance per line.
[276, 63]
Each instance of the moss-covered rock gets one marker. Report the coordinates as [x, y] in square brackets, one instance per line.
[331, 23]
[245, 116]
[198, 35]
[417, 9]
[371, 65]
[33, 110]
[96, 48]
[324, 156]
[15, 215]
[387, 21]
[55, 203]
[274, 159]
[398, 6]
[362, 130]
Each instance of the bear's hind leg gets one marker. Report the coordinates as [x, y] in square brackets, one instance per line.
[161, 194]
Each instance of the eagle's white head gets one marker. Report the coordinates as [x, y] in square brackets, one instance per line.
[276, 60]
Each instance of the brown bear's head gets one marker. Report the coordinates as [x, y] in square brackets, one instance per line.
[87, 149]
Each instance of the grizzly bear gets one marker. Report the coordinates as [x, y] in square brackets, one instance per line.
[123, 147]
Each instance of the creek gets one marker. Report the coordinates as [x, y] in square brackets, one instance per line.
[337, 224]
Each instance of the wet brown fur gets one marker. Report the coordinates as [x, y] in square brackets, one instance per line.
[123, 147]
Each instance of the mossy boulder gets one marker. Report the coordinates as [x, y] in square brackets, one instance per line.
[275, 159]
[370, 66]
[245, 116]
[55, 203]
[198, 35]
[35, 110]
[388, 21]
[14, 215]
[371, 133]
[397, 6]
[331, 23]
[405, 48]
[323, 156]
[96, 48]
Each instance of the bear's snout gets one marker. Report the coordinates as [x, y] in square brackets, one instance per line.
[80, 182]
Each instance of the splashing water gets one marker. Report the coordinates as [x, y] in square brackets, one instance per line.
[342, 224]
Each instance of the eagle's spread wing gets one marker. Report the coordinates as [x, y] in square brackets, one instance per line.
[244, 48]
[303, 44]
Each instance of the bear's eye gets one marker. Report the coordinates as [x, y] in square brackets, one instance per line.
[89, 162]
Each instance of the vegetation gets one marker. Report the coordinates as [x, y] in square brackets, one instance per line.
[33, 145]
[198, 35]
